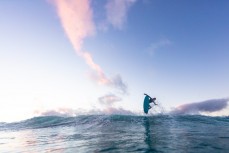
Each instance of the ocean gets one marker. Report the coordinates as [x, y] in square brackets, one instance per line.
[116, 133]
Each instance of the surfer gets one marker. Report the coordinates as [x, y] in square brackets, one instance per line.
[147, 101]
[152, 100]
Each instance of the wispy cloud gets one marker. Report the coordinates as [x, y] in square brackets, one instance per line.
[109, 99]
[155, 46]
[76, 17]
[117, 12]
[56, 112]
[118, 83]
[208, 106]
[68, 112]
[115, 82]
[77, 20]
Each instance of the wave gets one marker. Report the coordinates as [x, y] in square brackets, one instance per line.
[90, 121]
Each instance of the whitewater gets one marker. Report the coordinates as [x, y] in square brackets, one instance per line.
[116, 133]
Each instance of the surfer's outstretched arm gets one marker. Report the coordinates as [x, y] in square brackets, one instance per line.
[154, 103]
[152, 100]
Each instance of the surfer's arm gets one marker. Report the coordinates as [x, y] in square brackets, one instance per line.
[153, 102]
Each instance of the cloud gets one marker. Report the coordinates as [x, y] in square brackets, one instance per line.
[119, 111]
[115, 82]
[76, 17]
[208, 106]
[117, 12]
[157, 45]
[68, 112]
[98, 75]
[109, 99]
[118, 83]
[56, 112]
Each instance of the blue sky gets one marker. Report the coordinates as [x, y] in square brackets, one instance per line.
[177, 51]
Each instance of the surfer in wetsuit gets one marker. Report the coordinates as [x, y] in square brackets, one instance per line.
[151, 100]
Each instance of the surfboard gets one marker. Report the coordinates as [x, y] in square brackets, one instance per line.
[146, 104]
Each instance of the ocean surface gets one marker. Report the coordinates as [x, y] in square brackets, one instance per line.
[116, 133]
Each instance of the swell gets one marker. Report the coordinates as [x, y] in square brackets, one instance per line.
[105, 120]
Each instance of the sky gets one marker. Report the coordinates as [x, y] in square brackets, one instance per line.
[101, 56]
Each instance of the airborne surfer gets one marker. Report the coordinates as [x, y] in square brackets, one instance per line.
[147, 101]
[152, 100]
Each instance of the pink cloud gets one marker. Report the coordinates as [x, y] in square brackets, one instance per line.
[99, 76]
[69, 112]
[56, 112]
[117, 12]
[76, 17]
[119, 111]
[109, 99]
[212, 105]
[77, 20]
